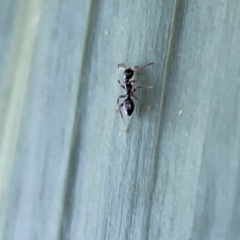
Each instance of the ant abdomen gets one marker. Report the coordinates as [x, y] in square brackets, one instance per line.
[128, 106]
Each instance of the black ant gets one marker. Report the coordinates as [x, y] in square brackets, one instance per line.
[128, 105]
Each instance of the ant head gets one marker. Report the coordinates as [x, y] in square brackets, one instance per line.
[128, 73]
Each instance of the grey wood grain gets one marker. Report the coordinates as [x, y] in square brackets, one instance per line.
[71, 175]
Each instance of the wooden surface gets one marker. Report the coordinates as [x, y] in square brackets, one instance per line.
[67, 173]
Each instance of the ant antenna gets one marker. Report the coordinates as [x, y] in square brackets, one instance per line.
[137, 68]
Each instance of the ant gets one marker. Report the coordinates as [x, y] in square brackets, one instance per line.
[128, 105]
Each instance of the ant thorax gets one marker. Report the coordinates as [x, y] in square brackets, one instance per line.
[128, 86]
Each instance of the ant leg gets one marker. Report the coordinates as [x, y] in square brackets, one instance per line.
[125, 130]
[119, 106]
[132, 94]
[134, 89]
[131, 81]
[119, 109]
[148, 107]
[120, 83]
[138, 69]
[121, 67]
[122, 96]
